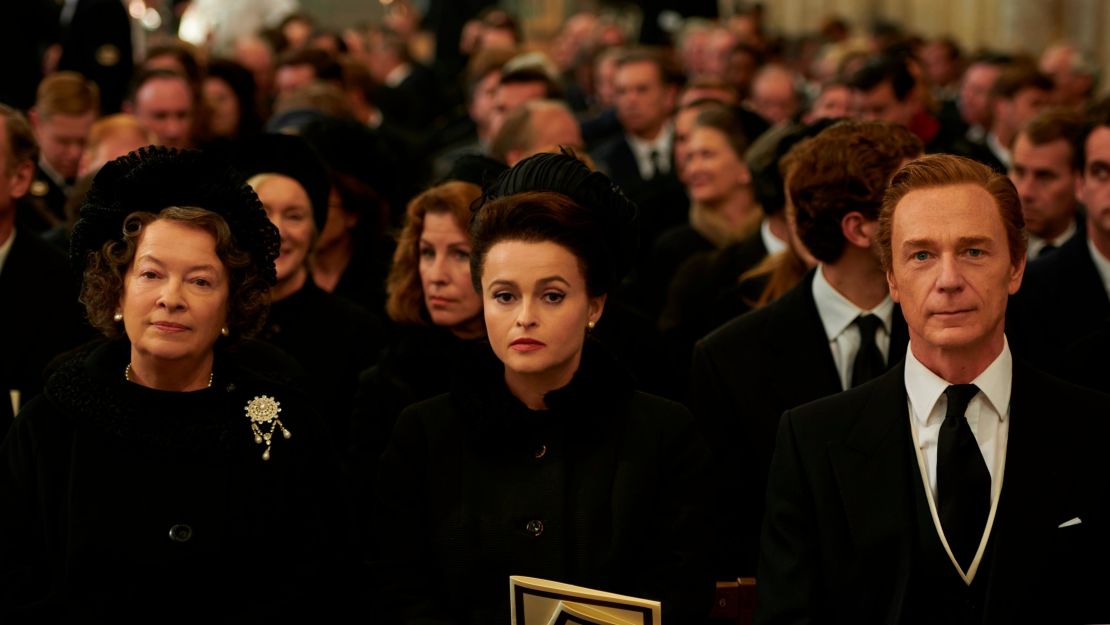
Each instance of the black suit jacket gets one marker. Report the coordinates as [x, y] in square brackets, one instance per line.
[1061, 303]
[39, 315]
[662, 200]
[838, 538]
[745, 375]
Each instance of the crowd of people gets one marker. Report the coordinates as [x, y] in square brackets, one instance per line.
[302, 324]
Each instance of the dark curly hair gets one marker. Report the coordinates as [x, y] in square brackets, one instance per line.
[845, 168]
[102, 287]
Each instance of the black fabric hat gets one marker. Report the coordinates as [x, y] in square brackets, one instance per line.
[351, 148]
[292, 156]
[476, 169]
[154, 178]
[565, 174]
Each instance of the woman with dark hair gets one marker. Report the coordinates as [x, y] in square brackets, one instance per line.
[232, 101]
[543, 460]
[159, 465]
[353, 252]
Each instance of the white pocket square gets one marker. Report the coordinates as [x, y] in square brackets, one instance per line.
[1074, 521]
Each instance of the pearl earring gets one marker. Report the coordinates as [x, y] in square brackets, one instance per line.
[224, 331]
[118, 317]
[590, 325]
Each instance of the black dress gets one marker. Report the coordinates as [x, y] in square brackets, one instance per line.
[606, 489]
[121, 502]
[333, 339]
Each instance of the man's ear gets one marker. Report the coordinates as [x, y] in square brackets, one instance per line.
[20, 179]
[857, 229]
[892, 284]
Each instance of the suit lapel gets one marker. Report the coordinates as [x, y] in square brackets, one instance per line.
[872, 469]
[804, 347]
[1025, 511]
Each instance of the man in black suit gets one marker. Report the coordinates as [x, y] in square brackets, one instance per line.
[836, 329]
[1066, 296]
[38, 304]
[886, 503]
[65, 108]
[640, 160]
[1045, 169]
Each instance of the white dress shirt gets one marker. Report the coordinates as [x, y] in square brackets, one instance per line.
[661, 146]
[1102, 264]
[1036, 243]
[987, 415]
[838, 316]
[773, 244]
[6, 248]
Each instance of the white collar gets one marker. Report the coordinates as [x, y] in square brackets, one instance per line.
[398, 75]
[1102, 264]
[925, 387]
[661, 143]
[1036, 243]
[838, 312]
[1001, 152]
[773, 244]
[5, 249]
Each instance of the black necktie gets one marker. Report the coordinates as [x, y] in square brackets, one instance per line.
[654, 156]
[869, 363]
[963, 481]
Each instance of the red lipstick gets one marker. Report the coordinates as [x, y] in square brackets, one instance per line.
[526, 345]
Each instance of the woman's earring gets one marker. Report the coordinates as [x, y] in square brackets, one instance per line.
[590, 325]
[224, 331]
[118, 317]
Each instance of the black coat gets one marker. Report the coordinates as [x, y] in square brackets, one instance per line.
[39, 317]
[839, 538]
[607, 489]
[333, 340]
[745, 374]
[123, 502]
[1061, 302]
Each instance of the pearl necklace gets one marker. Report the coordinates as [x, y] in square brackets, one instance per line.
[127, 375]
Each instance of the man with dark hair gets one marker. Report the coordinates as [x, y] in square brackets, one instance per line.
[409, 95]
[65, 108]
[523, 79]
[39, 315]
[837, 329]
[885, 89]
[1066, 297]
[299, 68]
[885, 504]
[1046, 167]
[1019, 93]
[640, 159]
[164, 103]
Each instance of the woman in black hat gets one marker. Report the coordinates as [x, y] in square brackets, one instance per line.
[331, 337]
[544, 460]
[159, 475]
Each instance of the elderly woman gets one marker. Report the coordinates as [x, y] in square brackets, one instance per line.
[158, 476]
[543, 460]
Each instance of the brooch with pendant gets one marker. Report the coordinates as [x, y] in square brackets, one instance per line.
[263, 411]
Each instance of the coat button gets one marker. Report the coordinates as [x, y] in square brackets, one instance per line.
[541, 452]
[534, 527]
[181, 533]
